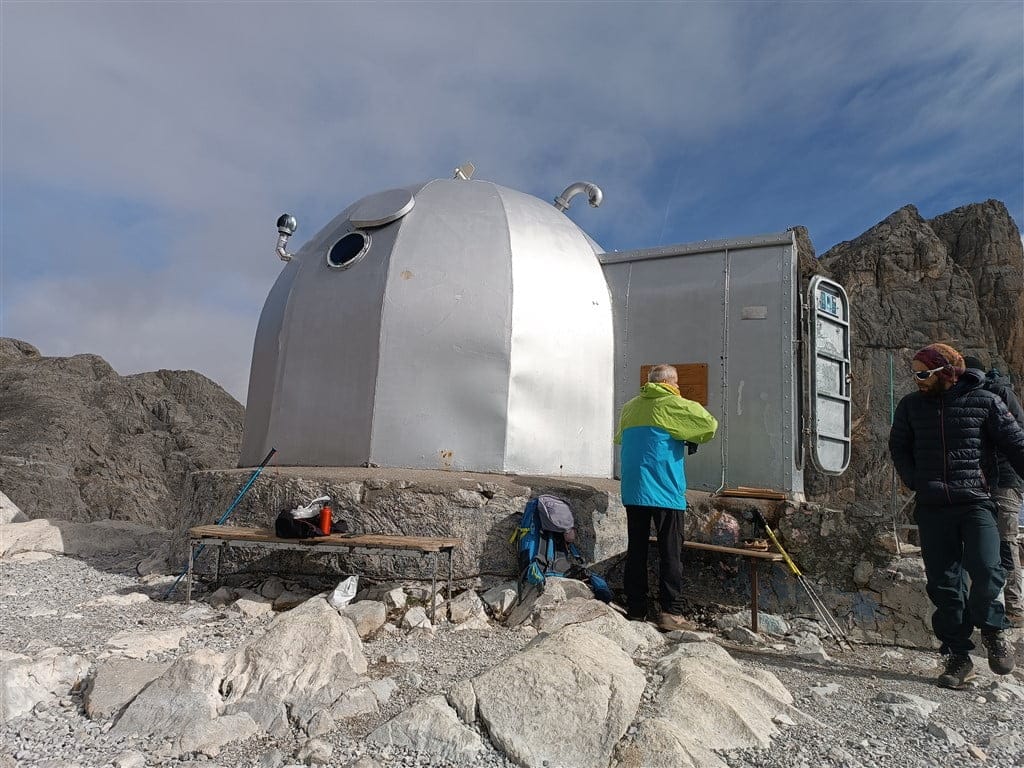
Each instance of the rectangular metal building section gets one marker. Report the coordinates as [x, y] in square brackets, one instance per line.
[734, 306]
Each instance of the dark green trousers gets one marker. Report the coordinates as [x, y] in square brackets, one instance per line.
[960, 541]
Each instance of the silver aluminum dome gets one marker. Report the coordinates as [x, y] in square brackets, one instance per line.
[457, 324]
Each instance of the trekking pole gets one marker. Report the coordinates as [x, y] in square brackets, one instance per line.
[832, 626]
[892, 494]
[224, 517]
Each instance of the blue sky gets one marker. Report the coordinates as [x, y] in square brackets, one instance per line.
[148, 148]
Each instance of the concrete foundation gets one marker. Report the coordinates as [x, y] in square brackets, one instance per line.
[885, 603]
[482, 509]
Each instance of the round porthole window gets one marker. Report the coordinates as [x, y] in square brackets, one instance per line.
[348, 250]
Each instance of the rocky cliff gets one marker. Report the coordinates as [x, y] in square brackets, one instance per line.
[80, 442]
[956, 278]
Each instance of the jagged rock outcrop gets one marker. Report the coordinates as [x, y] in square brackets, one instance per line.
[81, 442]
[957, 278]
[985, 242]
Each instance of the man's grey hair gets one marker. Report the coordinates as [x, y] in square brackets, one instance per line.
[662, 373]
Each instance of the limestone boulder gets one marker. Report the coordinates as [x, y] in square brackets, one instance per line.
[500, 599]
[183, 699]
[707, 701]
[368, 616]
[115, 683]
[296, 670]
[9, 511]
[584, 692]
[79, 539]
[140, 644]
[465, 607]
[534, 603]
[308, 653]
[432, 727]
[25, 680]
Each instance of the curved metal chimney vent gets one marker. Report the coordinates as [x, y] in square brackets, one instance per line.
[286, 226]
[594, 194]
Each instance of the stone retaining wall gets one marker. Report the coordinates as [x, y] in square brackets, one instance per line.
[880, 596]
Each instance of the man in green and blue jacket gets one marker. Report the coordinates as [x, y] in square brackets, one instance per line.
[654, 429]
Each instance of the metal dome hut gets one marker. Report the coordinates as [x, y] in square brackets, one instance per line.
[455, 324]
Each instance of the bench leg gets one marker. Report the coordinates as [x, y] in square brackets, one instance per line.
[450, 553]
[216, 575]
[753, 595]
[188, 582]
[433, 586]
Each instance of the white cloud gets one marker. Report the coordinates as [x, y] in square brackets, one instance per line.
[215, 117]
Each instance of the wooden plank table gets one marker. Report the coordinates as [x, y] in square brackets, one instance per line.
[752, 554]
[264, 538]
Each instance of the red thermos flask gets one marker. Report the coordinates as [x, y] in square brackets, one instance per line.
[325, 519]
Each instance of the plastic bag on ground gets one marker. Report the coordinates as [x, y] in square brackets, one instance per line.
[344, 592]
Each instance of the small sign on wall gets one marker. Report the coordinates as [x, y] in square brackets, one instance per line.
[693, 380]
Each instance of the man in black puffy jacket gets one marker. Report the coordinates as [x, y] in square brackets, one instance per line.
[1007, 496]
[943, 443]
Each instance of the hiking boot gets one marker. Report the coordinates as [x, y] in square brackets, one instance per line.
[1016, 619]
[959, 669]
[1000, 659]
[668, 622]
[636, 614]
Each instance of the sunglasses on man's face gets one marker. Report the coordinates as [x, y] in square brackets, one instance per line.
[925, 375]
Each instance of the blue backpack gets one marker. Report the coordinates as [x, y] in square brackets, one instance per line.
[545, 547]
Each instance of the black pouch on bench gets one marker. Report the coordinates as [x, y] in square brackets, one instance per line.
[288, 526]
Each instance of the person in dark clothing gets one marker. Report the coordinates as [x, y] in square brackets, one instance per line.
[943, 442]
[1008, 496]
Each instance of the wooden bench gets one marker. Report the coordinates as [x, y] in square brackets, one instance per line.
[752, 554]
[264, 538]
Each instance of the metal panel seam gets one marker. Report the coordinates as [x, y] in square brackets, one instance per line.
[380, 333]
[282, 350]
[508, 336]
[723, 430]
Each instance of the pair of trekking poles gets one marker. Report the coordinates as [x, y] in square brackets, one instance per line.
[226, 515]
[832, 626]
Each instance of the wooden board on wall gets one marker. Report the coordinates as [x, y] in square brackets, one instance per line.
[693, 380]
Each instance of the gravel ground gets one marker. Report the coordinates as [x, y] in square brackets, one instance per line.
[41, 605]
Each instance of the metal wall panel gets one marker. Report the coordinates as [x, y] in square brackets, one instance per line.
[560, 382]
[730, 304]
[263, 375]
[329, 366]
[444, 341]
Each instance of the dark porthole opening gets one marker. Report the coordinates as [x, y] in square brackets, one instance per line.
[348, 250]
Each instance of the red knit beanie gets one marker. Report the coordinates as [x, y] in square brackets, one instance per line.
[942, 356]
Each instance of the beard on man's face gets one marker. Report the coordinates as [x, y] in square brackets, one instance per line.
[931, 387]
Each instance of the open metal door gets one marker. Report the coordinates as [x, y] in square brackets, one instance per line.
[828, 374]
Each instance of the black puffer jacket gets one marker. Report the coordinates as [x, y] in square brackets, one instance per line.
[944, 447]
[1000, 385]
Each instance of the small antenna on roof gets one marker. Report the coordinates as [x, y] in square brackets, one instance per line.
[464, 171]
